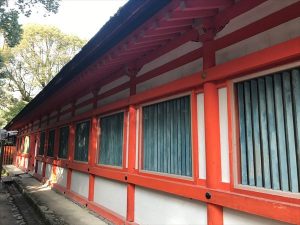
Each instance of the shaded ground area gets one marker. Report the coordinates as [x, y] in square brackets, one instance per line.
[8, 211]
[54, 208]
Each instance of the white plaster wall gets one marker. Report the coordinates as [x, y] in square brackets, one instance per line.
[26, 163]
[182, 71]
[65, 116]
[153, 207]
[40, 167]
[35, 127]
[169, 56]
[224, 142]
[201, 136]
[113, 84]
[17, 160]
[44, 124]
[111, 194]
[36, 124]
[61, 176]
[84, 98]
[127, 140]
[48, 171]
[137, 139]
[22, 161]
[52, 121]
[254, 14]
[53, 113]
[276, 35]
[232, 217]
[83, 109]
[65, 107]
[120, 95]
[80, 183]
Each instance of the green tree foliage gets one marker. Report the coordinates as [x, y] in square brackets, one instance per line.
[29, 66]
[9, 16]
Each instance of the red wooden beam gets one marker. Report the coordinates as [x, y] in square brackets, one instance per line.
[161, 32]
[190, 5]
[177, 23]
[180, 15]
[155, 39]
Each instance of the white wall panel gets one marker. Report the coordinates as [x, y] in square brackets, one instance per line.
[175, 53]
[111, 194]
[232, 217]
[65, 116]
[65, 107]
[113, 98]
[276, 35]
[22, 161]
[113, 84]
[172, 75]
[48, 171]
[84, 98]
[201, 136]
[83, 109]
[153, 207]
[223, 118]
[80, 183]
[40, 167]
[61, 176]
[137, 139]
[26, 163]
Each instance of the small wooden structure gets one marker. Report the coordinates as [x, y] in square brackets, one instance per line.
[176, 112]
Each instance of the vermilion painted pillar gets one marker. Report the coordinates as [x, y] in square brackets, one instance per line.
[55, 154]
[31, 152]
[45, 152]
[71, 145]
[92, 156]
[212, 136]
[131, 163]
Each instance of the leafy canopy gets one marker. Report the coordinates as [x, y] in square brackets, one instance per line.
[9, 16]
[28, 67]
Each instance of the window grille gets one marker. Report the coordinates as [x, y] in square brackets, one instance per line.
[63, 142]
[82, 141]
[51, 140]
[42, 143]
[167, 137]
[111, 139]
[269, 130]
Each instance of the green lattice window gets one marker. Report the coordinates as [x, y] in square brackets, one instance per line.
[63, 142]
[42, 143]
[111, 139]
[51, 140]
[82, 141]
[167, 137]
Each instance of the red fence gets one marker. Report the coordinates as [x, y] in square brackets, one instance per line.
[9, 152]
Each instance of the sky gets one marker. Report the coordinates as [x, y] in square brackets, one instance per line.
[83, 18]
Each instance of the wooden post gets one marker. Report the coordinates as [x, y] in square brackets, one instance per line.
[92, 156]
[71, 147]
[131, 162]
[212, 135]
